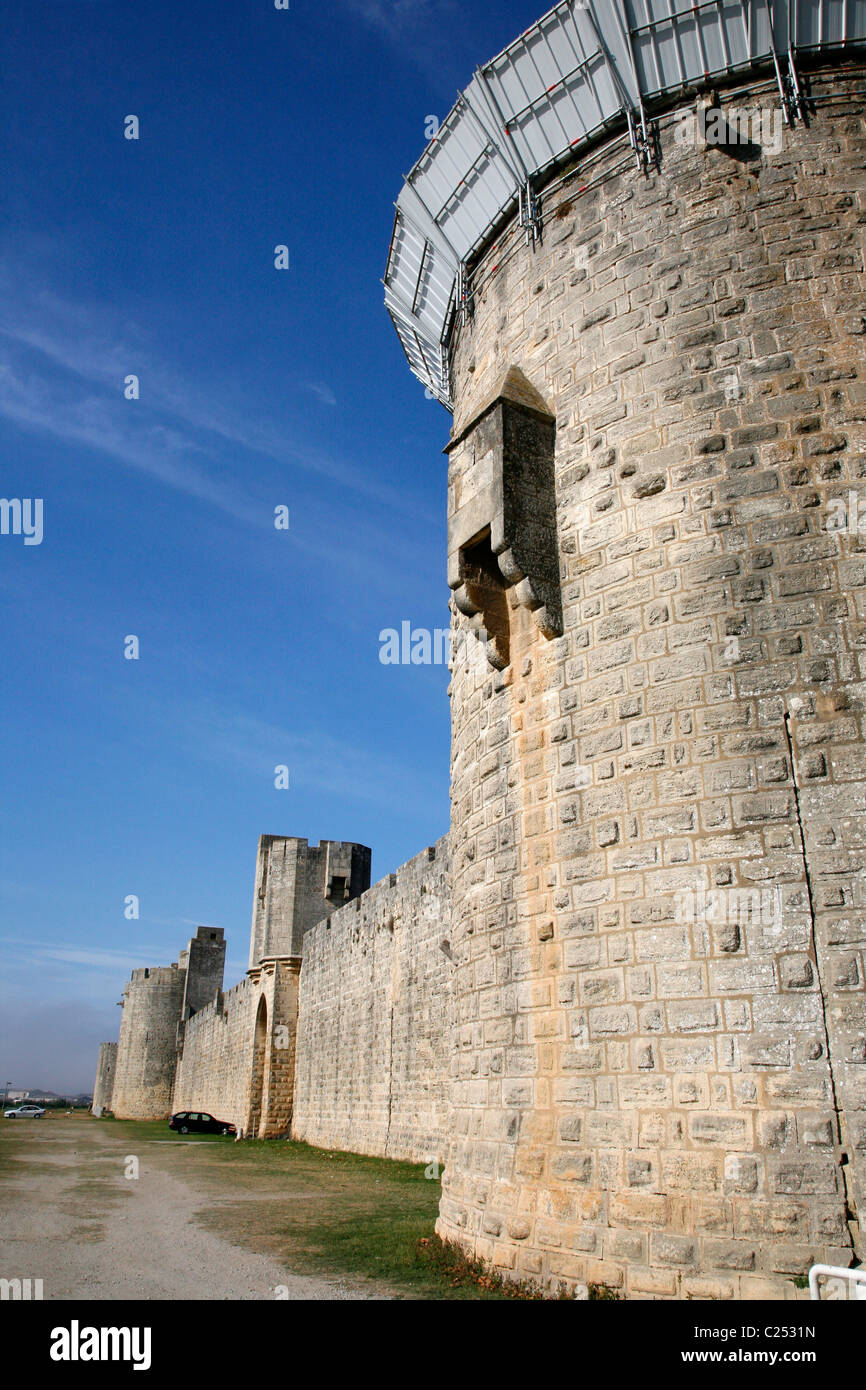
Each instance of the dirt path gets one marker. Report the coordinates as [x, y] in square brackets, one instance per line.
[73, 1219]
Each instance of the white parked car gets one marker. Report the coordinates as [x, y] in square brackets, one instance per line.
[26, 1111]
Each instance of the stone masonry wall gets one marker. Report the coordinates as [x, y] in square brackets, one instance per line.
[220, 1069]
[374, 1018]
[214, 1068]
[147, 1043]
[103, 1086]
[656, 1089]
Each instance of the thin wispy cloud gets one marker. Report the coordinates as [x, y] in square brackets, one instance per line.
[420, 29]
[174, 433]
[322, 392]
[314, 759]
[93, 959]
[395, 15]
[62, 368]
[92, 422]
[74, 953]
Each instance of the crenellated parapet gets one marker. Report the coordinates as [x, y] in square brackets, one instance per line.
[296, 885]
[157, 1004]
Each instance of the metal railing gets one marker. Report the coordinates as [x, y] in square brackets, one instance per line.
[856, 1278]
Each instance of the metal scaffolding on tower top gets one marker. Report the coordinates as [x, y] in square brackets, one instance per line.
[586, 68]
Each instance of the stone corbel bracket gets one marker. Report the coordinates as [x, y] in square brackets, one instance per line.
[501, 494]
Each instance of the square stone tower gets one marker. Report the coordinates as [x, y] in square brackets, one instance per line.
[297, 884]
[204, 957]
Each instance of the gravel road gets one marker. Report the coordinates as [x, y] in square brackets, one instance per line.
[72, 1219]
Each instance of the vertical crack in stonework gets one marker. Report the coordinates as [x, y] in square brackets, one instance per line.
[851, 1205]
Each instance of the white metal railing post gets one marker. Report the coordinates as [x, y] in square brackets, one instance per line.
[857, 1277]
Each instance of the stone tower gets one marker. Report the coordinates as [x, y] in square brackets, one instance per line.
[655, 503]
[297, 884]
[103, 1086]
[156, 1002]
[204, 958]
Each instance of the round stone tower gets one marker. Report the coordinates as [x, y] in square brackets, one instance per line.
[103, 1086]
[147, 1043]
[656, 516]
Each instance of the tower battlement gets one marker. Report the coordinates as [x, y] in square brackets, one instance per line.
[296, 885]
[157, 1000]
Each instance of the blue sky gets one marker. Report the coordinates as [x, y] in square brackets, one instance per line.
[259, 388]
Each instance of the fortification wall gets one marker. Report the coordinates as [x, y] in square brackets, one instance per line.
[665, 1098]
[214, 1068]
[103, 1086]
[147, 1043]
[238, 1053]
[374, 1018]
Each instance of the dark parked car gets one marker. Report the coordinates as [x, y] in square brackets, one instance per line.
[194, 1122]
